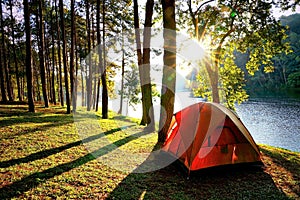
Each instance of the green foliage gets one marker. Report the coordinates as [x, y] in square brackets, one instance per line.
[243, 25]
[294, 80]
[292, 21]
[232, 81]
[111, 74]
[263, 47]
[283, 64]
[202, 87]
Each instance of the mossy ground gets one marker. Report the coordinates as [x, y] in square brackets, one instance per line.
[42, 156]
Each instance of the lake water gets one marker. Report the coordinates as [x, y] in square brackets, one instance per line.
[272, 120]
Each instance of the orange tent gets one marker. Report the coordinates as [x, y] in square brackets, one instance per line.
[208, 134]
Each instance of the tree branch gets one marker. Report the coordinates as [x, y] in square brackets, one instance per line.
[202, 6]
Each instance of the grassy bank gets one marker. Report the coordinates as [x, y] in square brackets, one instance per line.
[46, 155]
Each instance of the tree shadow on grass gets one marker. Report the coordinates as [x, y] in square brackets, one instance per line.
[36, 118]
[19, 109]
[235, 182]
[289, 162]
[51, 121]
[17, 188]
[49, 152]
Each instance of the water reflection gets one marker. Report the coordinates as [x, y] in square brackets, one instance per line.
[273, 121]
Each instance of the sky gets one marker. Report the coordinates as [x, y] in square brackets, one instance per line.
[278, 12]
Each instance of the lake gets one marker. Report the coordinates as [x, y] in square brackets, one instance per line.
[273, 121]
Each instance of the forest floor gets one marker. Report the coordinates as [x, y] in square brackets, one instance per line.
[50, 155]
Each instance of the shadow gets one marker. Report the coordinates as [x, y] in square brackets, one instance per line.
[19, 109]
[124, 119]
[171, 182]
[16, 111]
[53, 121]
[13, 103]
[49, 152]
[286, 161]
[36, 118]
[17, 188]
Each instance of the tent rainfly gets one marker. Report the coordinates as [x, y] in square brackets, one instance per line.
[206, 134]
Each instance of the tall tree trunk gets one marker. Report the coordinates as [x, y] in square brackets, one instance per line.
[147, 87]
[103, 72]
[53, 59]
[14, 51]
[82, 89]
[82, 81]
[77, 59]
[144, 63]
[28, 56]
[169, 70]
[89, 77]
[3, 91]
[42, 53]
[139, 52]
[47, 67]
[36, 92]
[96, 70]
[213, 73]
[62, 21]
[123, 75]
[23, 83]
[72, 80]
[4, 62]
[61, 92]
[10, 75]
[99, 52]
[214, 68]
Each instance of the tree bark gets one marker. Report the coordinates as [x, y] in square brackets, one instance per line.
[3, 91]
[122, 74]
[72, 80]
[4, 62]
[103, 71]
[144, 63]
[99, 53]
[76, 69]
[42, 53]
[28, 57]
[53, 59]
[62, 21]
[14, 52]
[213, 73]
[147, 87]
[82, 89]
[96, 70]
[61, 92]
[89, 72]
[169, 70]
[139, 53]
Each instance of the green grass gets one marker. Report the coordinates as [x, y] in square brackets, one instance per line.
[46, 155]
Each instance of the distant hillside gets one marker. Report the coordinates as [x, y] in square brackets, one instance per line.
[293, 21]
[286, 67]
